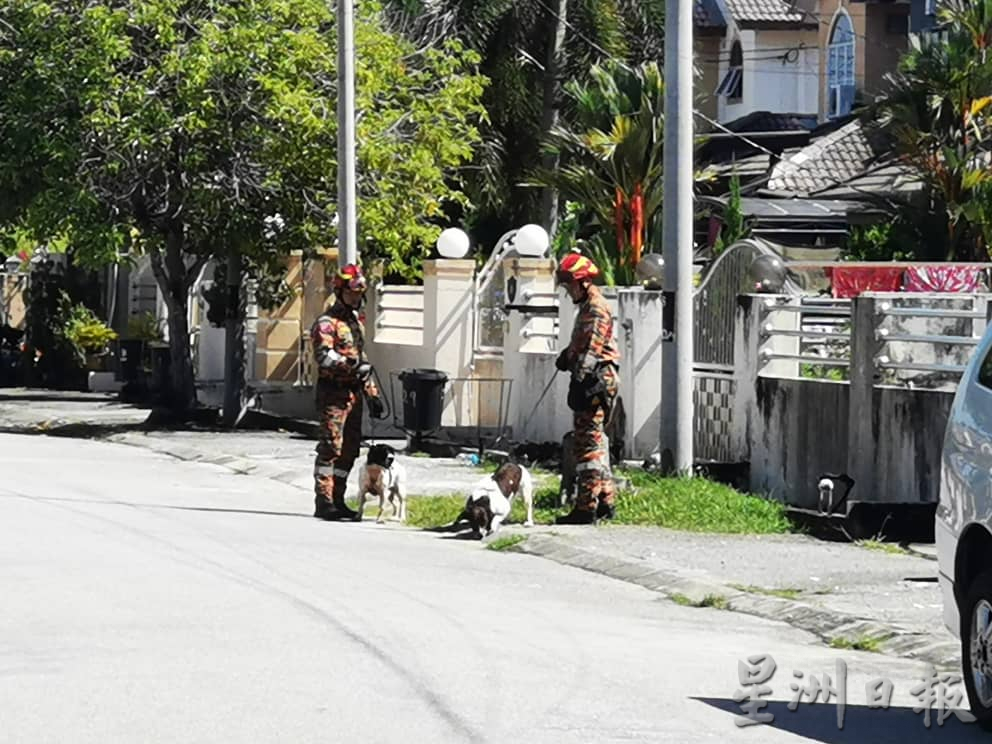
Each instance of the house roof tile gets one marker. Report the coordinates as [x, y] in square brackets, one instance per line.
[767, 11]
[828, 161]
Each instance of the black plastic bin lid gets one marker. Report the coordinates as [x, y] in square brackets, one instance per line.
[428, 375]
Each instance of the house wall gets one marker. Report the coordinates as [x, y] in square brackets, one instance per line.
[12, 299]
[708, 50]
[771, 84]
[885, 48]
[438, 321]
[876, 51]
[282, 332]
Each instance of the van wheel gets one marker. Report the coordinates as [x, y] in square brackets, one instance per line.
[976, 648]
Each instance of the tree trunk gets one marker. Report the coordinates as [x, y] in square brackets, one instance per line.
[549, 110]
[173, 279]
[234, 344]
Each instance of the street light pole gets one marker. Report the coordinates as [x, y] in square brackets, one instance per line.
[677, 383]
[347, 211]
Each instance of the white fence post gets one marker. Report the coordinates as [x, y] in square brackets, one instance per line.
[640, 326]
[747, 347]
[449, 330]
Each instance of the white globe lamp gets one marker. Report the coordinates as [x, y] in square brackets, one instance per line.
[453, 243]
[531, 241]
[768, 273]
[651, 271]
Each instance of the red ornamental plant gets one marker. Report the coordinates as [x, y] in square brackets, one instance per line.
[629, 223]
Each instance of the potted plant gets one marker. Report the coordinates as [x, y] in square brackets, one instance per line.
[89, 336]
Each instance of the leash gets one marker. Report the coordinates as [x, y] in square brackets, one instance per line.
[537, 405]
[387, 409]
[540, 400]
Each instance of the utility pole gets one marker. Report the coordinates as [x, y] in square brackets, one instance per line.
[549, 111]
[677, 384]
[347, 212]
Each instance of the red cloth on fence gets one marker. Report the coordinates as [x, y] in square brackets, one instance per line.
[850, 281]
[943, 278]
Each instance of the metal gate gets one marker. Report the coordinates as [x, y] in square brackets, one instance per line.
[713, 402]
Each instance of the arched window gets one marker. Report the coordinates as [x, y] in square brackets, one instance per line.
[732, 85]
[840, 67]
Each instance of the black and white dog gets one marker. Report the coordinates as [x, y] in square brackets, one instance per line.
[489, 503]
[381, 475]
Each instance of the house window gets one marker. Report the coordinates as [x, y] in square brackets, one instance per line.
[840, 67]
[732, 85]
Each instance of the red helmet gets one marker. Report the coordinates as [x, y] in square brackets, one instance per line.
[350, 277]
[574, 268]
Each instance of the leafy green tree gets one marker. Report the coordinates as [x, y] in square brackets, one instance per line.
[735, 226]
[940, 109]
[884, 241]
[192, 130]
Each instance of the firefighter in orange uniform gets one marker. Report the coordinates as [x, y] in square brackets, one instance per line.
[592, 358]
[344, 378]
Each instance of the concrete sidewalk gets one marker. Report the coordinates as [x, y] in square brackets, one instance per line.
[836, 590]
[24, 411]
[844, 593]
[278, 454]
[288, 458]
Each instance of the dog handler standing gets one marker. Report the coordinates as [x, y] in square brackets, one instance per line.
[344, 376]
[592, 358]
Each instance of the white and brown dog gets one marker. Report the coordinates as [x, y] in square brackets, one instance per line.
[489, 503]
[383, 476]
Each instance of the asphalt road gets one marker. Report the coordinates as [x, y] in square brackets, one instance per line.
[149, 600]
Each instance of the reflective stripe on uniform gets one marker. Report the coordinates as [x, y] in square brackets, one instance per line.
[584, 466]
[340, 473]
[327, 357]
[324, 471]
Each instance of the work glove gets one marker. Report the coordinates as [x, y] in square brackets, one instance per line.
[364, 371]
[561, 363]
[377, 409]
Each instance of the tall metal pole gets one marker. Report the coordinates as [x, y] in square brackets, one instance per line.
[678, 385]
[347, 212]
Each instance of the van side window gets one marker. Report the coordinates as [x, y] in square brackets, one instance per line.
[985, 371]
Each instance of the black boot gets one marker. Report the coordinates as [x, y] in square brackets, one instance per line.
[336, 510]
[605, 511]
[327, 511]
[322, 506]
[341, 508]
[578, 516]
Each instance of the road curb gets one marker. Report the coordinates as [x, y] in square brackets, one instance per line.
[826, 624]
[239, 465]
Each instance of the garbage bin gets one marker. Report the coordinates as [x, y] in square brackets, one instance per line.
[423, 399]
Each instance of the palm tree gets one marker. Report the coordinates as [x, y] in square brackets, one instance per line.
[939, 108]
[611, 160]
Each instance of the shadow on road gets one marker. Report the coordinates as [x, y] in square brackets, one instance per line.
[818, 722]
